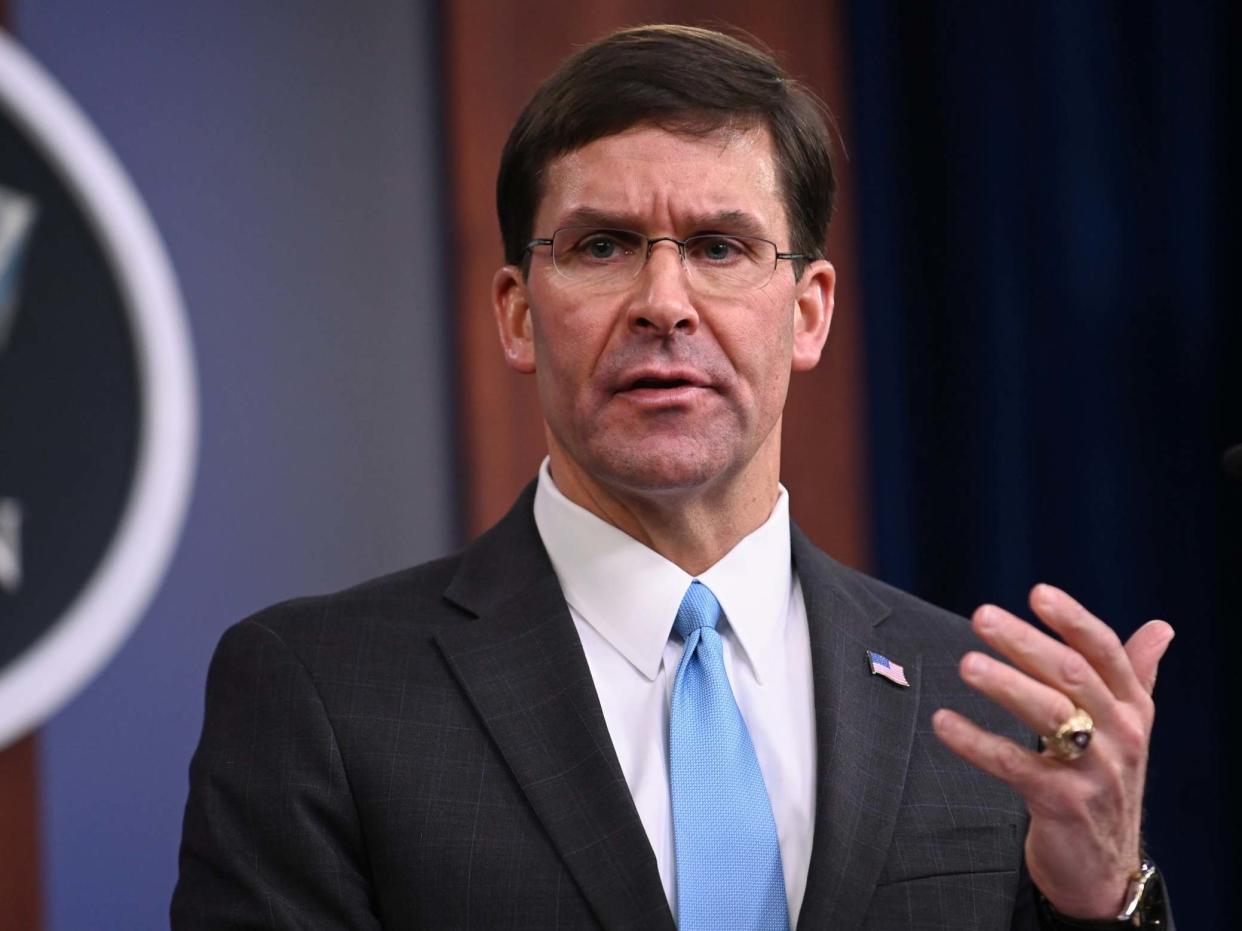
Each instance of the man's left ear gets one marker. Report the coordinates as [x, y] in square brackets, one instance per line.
[813, 313]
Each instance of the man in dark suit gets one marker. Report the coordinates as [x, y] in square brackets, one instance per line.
[644, 693]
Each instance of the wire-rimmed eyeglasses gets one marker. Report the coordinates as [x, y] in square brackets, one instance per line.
[717, 263]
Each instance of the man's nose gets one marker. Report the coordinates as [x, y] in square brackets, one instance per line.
[661, 304]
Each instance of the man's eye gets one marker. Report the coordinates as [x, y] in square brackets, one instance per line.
[600, 248]
[718, 249]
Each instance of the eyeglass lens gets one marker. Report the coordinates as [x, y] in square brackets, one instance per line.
[606, 257]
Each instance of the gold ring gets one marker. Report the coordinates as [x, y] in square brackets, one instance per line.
[1072, 737]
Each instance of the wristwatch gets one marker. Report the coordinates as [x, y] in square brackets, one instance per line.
[1144, 906]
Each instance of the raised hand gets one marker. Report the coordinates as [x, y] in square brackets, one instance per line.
[1084, 837]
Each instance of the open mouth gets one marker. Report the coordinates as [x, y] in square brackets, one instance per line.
[659, 383]
[662, 390]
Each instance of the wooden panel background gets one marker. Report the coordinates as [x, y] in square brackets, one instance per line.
[20, 890]
[495, 55]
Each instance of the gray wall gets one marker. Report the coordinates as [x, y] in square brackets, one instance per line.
[290, 156]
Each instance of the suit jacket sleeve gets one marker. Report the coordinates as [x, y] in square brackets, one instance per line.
[271, 837]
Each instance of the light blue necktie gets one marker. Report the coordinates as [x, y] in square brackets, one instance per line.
[728, 859]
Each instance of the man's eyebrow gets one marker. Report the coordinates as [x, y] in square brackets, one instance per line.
[738, 222]
[590, 216]
[729, 221]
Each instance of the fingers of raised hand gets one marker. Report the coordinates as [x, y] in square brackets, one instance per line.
[1090, 637]
[1045, 659]
[1146, 647]
[1025, 770]
[1055, 676]
[1042, 708]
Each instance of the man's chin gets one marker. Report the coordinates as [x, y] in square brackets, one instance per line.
[669, 469]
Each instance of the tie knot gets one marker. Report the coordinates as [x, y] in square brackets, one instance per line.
[699, 608]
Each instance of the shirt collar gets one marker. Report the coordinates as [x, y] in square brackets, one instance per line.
[629, 593]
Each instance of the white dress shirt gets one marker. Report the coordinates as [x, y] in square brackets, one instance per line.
[623, 598]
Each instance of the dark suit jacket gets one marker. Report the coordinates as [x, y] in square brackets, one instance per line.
[427, 750]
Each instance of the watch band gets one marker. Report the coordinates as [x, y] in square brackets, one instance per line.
[1143, 908]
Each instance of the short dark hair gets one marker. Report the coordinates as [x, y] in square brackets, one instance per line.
[683, 79]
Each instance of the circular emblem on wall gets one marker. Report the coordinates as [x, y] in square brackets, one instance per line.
[98, 420]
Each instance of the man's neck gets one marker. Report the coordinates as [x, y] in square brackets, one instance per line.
[695, 528]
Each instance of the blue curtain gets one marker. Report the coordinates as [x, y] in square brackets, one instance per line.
[1055, 356]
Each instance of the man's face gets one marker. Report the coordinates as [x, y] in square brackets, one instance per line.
[654, 387]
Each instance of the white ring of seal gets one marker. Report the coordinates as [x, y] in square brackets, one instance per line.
[38, 682]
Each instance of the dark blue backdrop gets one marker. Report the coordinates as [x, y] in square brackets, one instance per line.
[1054, 354]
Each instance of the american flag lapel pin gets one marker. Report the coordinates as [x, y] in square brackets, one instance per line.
[881, 665]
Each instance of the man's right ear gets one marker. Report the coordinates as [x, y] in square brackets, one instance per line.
[512, 308]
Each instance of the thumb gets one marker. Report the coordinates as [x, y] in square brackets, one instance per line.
[1145, 648]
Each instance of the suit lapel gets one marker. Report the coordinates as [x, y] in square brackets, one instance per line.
[864, 732]
[522, 667]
